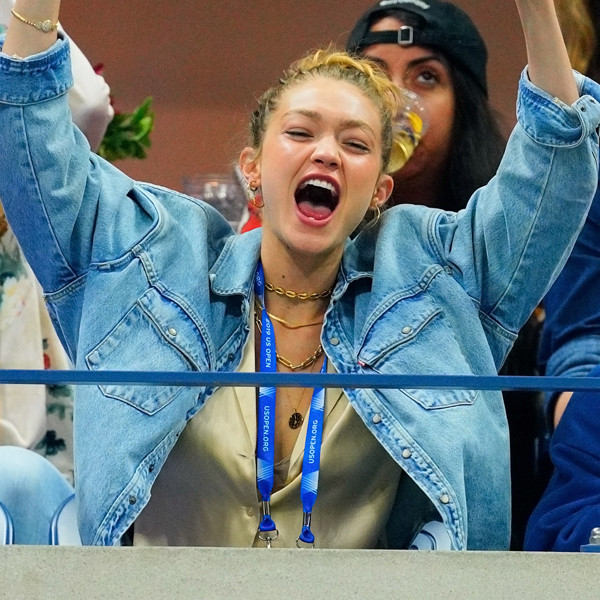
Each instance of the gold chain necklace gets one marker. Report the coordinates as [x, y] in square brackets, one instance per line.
[308, 362]
[285, 323]
[297, 295]
[286, 362]
[296, 419]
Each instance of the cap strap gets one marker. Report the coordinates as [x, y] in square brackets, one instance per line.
[408, 36]
[403, 36]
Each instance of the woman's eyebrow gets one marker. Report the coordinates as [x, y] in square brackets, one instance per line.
[413, 63]
[429, 57]
[316, 116]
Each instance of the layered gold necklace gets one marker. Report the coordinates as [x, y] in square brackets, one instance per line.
[286, 362]
[296, 419]
[297, 295]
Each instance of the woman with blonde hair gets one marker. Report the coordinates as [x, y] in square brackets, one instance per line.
[142, 278]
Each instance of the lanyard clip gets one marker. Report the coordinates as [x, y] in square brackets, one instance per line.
[267, 531]
[306, 539]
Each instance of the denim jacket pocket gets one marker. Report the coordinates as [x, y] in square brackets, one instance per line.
[154, 335]
[421, 334]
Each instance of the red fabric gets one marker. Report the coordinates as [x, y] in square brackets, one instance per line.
[253, 221]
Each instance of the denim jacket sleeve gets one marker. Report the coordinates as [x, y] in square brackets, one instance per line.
[570, 344]
[511, 241]
[55, 191]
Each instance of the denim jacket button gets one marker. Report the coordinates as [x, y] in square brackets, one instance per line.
[334, 341]
[406, 330]
[172, 331]
[376, 418]
[406, 453]
[444, 499]
[132, 499]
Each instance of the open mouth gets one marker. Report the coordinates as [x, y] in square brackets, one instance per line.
[316, 198]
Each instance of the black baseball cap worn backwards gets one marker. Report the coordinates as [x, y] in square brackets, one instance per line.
[442, 26]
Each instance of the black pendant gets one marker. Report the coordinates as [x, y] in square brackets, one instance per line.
[296, 420]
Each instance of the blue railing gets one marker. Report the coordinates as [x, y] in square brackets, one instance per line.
[337, 380]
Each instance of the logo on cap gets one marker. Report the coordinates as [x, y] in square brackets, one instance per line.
[418, 3]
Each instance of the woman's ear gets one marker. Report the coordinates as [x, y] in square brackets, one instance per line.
[383, 191]
[250, 166]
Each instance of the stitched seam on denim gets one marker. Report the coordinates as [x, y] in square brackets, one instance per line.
[527, 246]
[40, 196]
[109, 528]
[245, 288]
[420, 286]
[155, 282]
[424, 468]
[529, 95]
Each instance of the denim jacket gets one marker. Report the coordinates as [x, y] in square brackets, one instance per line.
[138, 277]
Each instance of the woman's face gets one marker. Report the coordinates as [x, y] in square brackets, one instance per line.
[319, 166]
[424, 72]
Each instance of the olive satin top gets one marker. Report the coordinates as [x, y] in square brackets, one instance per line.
[206, 494]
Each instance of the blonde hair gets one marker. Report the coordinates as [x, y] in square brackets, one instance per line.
[578, 32]
[363, 73]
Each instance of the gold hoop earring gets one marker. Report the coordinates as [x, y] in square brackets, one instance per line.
[256, 199]
[377, 216]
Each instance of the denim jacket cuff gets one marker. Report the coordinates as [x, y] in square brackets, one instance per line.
[551, 122]
[38, 77]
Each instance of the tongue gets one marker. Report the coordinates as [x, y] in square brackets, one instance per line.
[314, 211]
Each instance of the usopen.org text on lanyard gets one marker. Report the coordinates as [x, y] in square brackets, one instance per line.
[265, 443]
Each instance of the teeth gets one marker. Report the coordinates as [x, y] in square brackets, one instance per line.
[322, 184]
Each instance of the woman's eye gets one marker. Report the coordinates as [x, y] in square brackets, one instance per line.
[298, 133]
[427, 77]
[356, 145]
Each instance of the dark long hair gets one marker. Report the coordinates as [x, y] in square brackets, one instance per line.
[477, 141]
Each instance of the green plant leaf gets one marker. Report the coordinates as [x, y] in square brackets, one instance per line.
[128, 134]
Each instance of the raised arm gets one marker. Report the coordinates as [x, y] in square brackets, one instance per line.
[549, 66]
[89, 98]
[528, 216]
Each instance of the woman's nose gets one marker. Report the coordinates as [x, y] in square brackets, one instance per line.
[326, 152]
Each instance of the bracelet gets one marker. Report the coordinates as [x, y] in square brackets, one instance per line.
[45, 26]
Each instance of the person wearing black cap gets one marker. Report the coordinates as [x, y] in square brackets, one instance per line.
[433, 49]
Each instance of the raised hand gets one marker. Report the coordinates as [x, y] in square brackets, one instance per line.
[549, 66]
[32, 27]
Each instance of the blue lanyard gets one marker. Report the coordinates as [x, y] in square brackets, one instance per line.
[265, 444]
